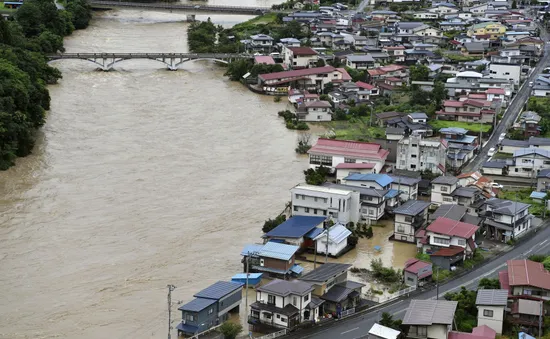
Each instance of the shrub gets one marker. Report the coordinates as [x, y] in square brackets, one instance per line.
[385, 274]
[230, 330]
[270, 224]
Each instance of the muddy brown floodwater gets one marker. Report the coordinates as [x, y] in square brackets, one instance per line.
[140, 178]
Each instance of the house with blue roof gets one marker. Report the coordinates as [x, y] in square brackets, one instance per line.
[272, 258]
[376, 181]
[299, 230]
[210, 307]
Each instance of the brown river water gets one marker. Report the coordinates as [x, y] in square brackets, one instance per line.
[140, 178]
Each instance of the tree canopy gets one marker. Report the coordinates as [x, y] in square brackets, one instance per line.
[38, 30]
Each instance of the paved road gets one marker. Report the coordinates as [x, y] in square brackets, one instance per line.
[513, 110]
[358, 326]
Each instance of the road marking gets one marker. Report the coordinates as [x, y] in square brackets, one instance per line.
[348, 331]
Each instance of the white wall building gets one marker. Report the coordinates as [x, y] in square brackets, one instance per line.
[299, 57]
[490, 308]
[343, 205]
[417, 154]
[528, 162]
[442, 189]
[337, 240]
[505, 71]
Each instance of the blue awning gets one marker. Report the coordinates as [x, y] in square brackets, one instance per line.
[537, 195]
[297, 269]
[187, 328]
[313, 233]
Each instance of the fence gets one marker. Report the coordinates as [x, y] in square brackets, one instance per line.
[347, 313]
[198, 335]
[273, 335]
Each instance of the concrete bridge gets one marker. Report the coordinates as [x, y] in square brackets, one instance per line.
[191, 8]
[106, 61]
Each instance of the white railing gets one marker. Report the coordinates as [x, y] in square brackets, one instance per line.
[347, 313]
[401, 292]
[273, 335]
[198, 335]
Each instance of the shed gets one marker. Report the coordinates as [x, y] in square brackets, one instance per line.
[383, 332]
[416, 270]
[254, 279]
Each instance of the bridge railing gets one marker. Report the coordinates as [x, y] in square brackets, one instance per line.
[175, 5]
[150, 55]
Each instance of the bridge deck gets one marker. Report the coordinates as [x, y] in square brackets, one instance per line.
[179, 6]
[149, 56]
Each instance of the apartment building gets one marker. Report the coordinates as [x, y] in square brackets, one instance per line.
[417, 154]
[342, 205]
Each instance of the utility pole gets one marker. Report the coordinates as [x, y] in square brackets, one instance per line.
[246, 292]
[437, 284]
[326, 245]
[170, 289]
[540, 320]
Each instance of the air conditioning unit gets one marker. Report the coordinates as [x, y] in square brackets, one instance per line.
[262, 262]
[184, 321]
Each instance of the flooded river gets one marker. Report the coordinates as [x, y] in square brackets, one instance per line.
[140, 178]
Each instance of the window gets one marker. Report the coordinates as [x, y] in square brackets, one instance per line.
[408, 219]
[410, 279]
[422, 330]
[320, 160]
[306, 209]
[441, 241]
[271, 299]
[306, 297]
[349, 160]
[295, 208]
[319, 117]
[371, 212]
[488, 313]
[297, 196]
[414, 145]
[461, 242]
[283, 320]
[278, 316]
[413, 155]
[314, 211]
[400, 229]
[315, 199]
[210, 311]
[267, 315]
[444, 188]
[294, 301]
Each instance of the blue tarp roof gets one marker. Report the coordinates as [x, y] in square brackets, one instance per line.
[392, 193]
[313, 233]
[219, 290]
[297, 269]
[537, 195]
[250, 276]
[381, 179]
[295, 227]
[278, 251]
[523, 335]
[187, 328]
[197, 305]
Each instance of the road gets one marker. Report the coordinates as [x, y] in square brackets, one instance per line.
[358, 326]
[182, 7]
[513, 109]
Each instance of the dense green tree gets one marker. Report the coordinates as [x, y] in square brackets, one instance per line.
[514, 4]
[230, 330]
[388, 321]
[419, 73]
[439, 93]
[488, 284]
[36, 16]
[316, 176]
[270, 224]
[466, 312]
[81, 13]
[237, 69]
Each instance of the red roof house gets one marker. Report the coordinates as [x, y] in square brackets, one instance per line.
[480, 332]
[452, 228]
[527, 274]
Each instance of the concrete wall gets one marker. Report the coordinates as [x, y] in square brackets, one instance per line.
[494, 322]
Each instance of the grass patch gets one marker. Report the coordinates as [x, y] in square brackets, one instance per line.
[253, 25]
[501, 155]
[461, 58]
[522, 195]
[474, 127]
[356, 129]
[5, 9]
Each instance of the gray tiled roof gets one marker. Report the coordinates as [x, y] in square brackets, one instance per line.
[372, 192]
[288, 310]
[285, 287]
[341, 291]
[506, 207]
[516, 143]
[428, 312]
[445, 180]
[467, 192]
[544, 173]
[494, 164]
[219, 290]
[454, 212]
[325, 272]
[471, 219]
[402, 180]
[395, 130]
[492, 297]
[412, 207]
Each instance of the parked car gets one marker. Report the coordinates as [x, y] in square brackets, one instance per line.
[491, 152]
[530, 84]
[496, 185]
[501, 137]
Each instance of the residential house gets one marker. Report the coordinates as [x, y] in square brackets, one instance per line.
[342, 205]
[496, 167]
[359, 41]
[505, 219]
[468, 110]
[413, 123]
[469, 197]
[478, 10]
[313, 79]
[510, 146]
[452, 25]
[389, 71]
[529, 123]
[383, 118]
[300, 57]
[374, 181]
[529, 161]
[443, 8]
[335, 243]
[425, 15]
[378, 331]
[494, 29]
[416, 271]
[332, 287]
[512, 72]
[541, 87]
[210, 307]
[382, 15]
[473, 48]
[543, 180]
[283, 304]
[261, 41]
[526, 313]
[290, 42]
[345, 169]
[442, 189]
[264, 60]
[526, 279]
[298, 230]
[396, 53]
[407, 186]
[417, 154]
[449, 211]
[448, 242]
[373, 202]
[479, 332]
[359, 61]
[490, 308]
[460, 146]
[316, 110]
[272, 258]
[330, 153]
[410, 217]
[429, 318]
